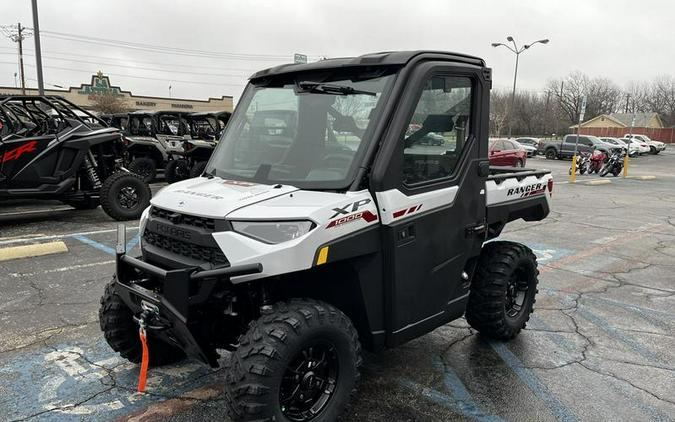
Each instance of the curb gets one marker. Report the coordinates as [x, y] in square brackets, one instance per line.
[598, 182]
[28, 251]
[640, 177]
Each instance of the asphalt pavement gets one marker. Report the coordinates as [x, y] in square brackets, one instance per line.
[600, 344]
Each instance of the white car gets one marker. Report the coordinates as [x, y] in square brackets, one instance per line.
[633, 147]
[530, 149]
[654, 146]
[643, 147]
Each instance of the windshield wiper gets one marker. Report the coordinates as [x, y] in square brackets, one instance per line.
[324, 88]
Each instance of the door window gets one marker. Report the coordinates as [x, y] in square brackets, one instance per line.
[437, 130]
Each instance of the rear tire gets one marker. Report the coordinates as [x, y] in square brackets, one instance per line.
[551, 154]
[503, 290]
[176, 170]
[144, 167]
[124, 196]
[313, 337]
[616, 171]
[198, 169]
[121, 332]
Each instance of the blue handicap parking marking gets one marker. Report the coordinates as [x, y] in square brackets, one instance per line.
[547, 253]
[77, 382]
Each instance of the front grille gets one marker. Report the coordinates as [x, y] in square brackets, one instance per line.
[189, 220]
[200, 253]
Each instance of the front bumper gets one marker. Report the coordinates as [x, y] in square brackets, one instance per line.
[176, 308]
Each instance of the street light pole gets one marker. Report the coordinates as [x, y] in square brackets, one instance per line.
[516, 50]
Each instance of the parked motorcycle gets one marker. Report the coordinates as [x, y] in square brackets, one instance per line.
[614, 164]
[583, 163]
[597, 160]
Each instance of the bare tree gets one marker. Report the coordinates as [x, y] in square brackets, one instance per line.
[108, 103]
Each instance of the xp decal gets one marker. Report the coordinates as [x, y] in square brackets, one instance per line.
[368, 216]
[523, 191]
[17, 152]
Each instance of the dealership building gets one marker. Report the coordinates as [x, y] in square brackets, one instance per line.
[100, 84]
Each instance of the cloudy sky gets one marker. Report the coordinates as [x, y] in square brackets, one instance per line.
[207, 48]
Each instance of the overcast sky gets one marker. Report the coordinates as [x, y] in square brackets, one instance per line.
[623, 40]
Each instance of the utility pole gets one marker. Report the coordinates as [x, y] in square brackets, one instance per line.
[23, 73]
[18, 34]
[38, 52]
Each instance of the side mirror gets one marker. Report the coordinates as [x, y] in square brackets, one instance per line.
[438, 123]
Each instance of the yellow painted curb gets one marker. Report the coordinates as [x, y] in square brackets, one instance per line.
[598, 182]
[27, 251]
[640, 177]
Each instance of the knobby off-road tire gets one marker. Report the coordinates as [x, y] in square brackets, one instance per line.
[121, 332]
[504, 268]
[144, 167]
[198, 169]
[176, 170]
[124, 196]
[272, 356]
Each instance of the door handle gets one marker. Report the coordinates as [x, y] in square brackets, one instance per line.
[405, 234]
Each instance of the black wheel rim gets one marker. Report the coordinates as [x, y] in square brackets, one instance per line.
[516, 293]
[309, 382]
[182, 170]
[128, 197]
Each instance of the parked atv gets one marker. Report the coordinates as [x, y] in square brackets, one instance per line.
[318, 229]
[189, 156]
[148, 138]
[52, 149]
[614, 164]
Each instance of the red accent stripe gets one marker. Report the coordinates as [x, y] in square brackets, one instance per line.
[410, 210]
[398, 214]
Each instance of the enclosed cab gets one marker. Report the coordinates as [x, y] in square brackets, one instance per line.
[347, 205]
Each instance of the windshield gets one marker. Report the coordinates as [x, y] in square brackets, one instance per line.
[301, 132]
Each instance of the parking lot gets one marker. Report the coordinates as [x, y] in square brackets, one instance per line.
[600, 345]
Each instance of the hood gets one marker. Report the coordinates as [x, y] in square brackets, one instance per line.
[215, 197]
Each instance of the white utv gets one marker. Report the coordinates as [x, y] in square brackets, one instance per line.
[339, 229]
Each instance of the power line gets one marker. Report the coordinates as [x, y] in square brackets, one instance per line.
[163, 49]
[142, 68]
[137, 77]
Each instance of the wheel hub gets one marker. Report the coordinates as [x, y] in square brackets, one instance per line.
[309, 382]
[128, 197]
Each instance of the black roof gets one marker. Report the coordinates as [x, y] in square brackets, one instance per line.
[391, 58]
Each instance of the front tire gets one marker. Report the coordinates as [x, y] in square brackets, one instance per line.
[299, 361]
[176, 170]
[121, 332]
[124, 196]
[551, 154]
[503, 290]
[144, 167]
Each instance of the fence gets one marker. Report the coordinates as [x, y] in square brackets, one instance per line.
[657, 134]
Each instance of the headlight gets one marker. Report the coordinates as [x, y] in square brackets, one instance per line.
[273, 231]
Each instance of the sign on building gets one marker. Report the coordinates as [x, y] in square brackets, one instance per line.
[299, 58]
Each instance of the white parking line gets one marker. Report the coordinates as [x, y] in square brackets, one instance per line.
[62, 269]
[59, 236]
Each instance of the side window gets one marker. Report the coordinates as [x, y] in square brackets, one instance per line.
[437, 130]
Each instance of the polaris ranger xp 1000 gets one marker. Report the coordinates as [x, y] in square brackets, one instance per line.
[337, 229]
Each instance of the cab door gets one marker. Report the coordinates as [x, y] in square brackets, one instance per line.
[431, 198]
